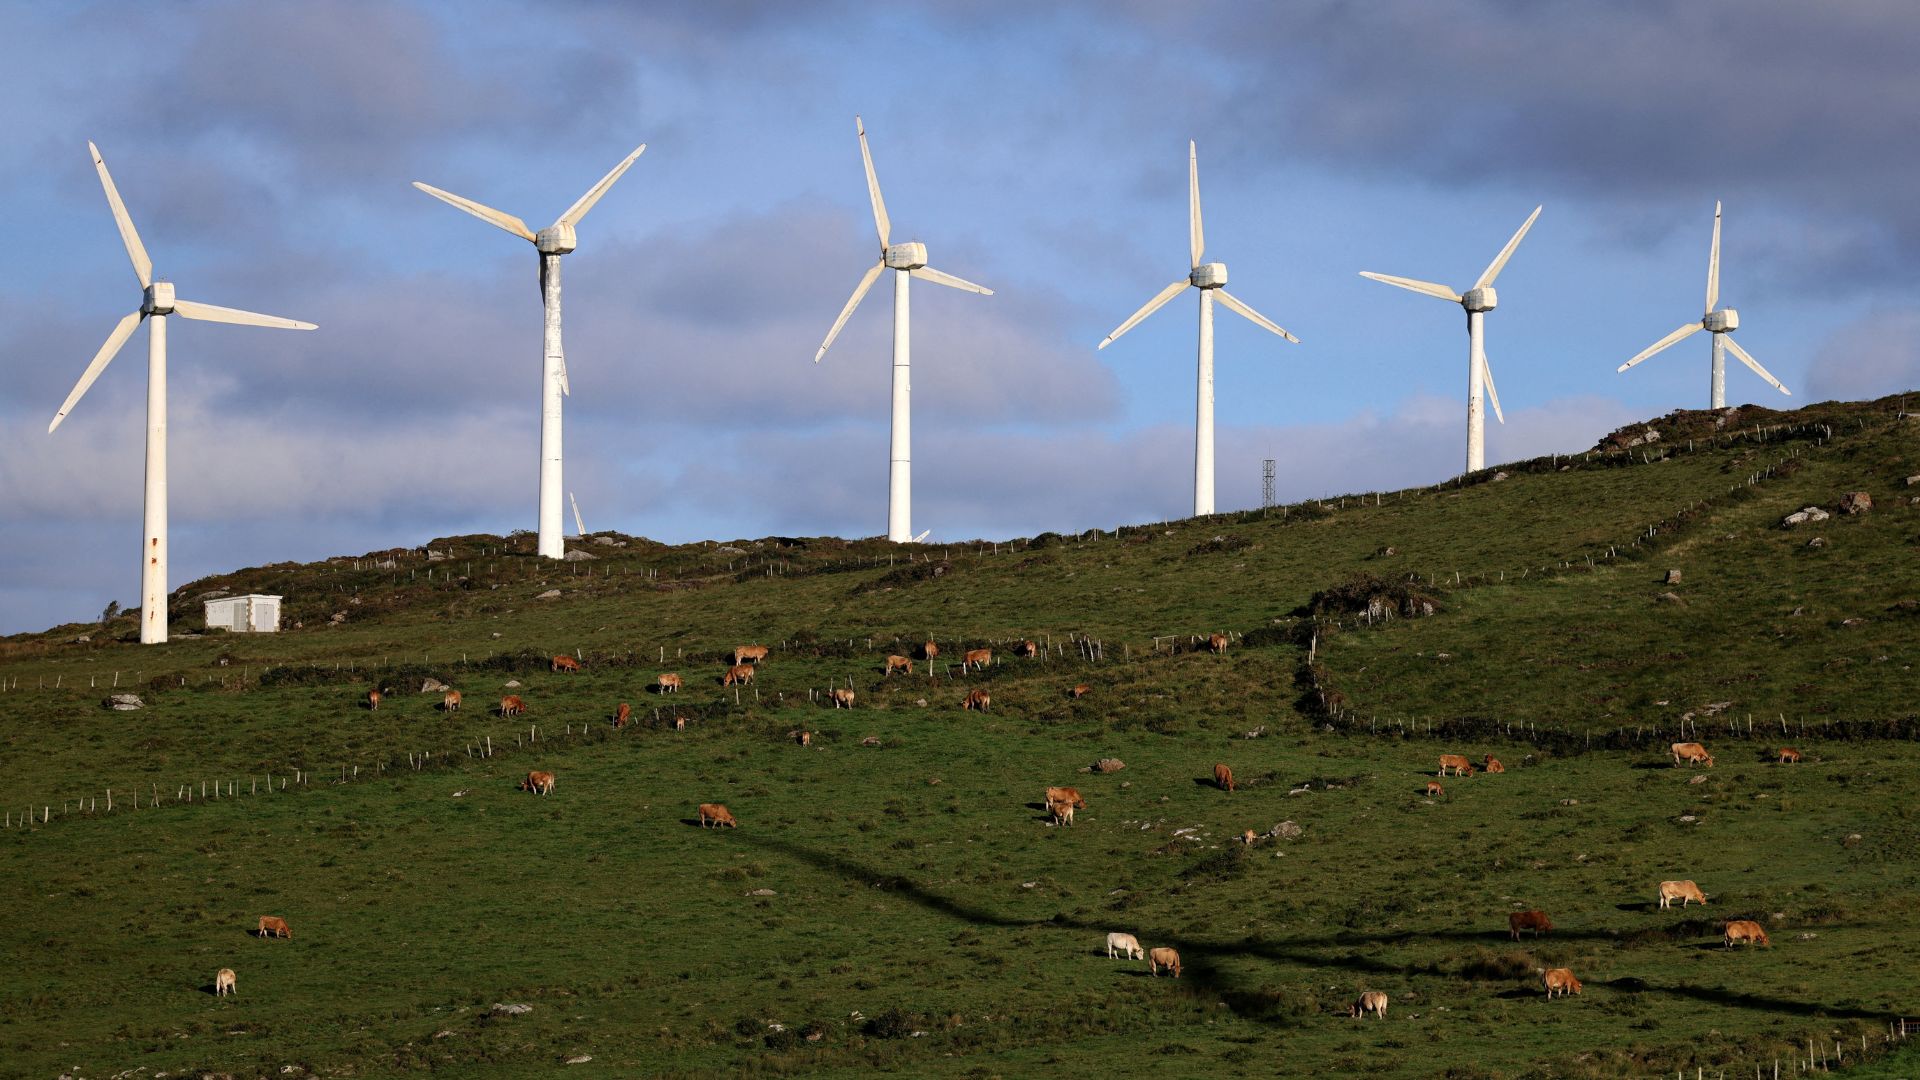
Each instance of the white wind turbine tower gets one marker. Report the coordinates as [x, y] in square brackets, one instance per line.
[1721, 324]
[156, 303]
[1478, 300]
[552, 242]
[908, 260]
[1210, 279]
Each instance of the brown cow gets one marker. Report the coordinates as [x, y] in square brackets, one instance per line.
[1080, 691]
[1249, 837]
[275, 926]
[373, 700]
[1066, 795]
[1373, 1001]
[714, 815]
[1789, 756]
[667, 683]
[622, 714]
[1457, 762]
[1561, 981]
[976, 701]
[1216, 643]
[929, 651]
[566, 663]
[1748, 931]
[511, 705]
[1690, 754]
[1683, 891]
[223, 983]
[679, 723]
[1026, 648]
[738, 673]
[1163, 958]
[978, 659]
[897, 663]
[1535, 921]
[1434, 788]
[842, 698]
[450, 702]
[540, 783]
[1493, 765]
[749, 654]
[1223, 778]
[803, 737]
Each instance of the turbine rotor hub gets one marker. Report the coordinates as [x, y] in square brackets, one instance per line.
[1480, 299]
[555, 239]
[911, 255]
[158, 299]
[1211, 275]
[1721, 321]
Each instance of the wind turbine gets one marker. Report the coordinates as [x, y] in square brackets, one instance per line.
[156, 303]
[1478, 300]
[552, 242]
[1721, 324]
[908, 260]
[1210, 279]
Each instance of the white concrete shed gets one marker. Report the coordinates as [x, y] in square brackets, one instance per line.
[253, 613]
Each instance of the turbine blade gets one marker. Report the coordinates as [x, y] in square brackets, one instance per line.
[881, 223]
[485, 213]
[1684, 331]
[1235, 305]
[1147, 309]
[142, 266]
[190, 309]
[860, 290]
[580, 527]
[1713, 263]
[940, 277]
[121, 332]
[1734, 347]
[1196, 232]
[585, 203]
[1499, 262]
[922, 538]
[1428, 287]
[1493, 396]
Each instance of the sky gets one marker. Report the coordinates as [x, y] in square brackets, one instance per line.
[265, 151]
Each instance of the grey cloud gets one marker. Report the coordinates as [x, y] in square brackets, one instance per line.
[1878, 354]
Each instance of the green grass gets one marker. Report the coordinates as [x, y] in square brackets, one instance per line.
[916, 883]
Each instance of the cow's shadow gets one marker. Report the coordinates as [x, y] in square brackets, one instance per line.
[212, 990]
[1207, 782]
[1644, 905]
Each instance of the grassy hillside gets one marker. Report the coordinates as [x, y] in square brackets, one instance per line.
[922, 916]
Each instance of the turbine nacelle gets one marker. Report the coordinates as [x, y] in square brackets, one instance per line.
[1211, 275]
[911, 255]
[556, 239]
[1480, 299]
[158, 299]
[1722, 321]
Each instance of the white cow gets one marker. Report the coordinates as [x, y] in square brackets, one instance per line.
[1126, 945]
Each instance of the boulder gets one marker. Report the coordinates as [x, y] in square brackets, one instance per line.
[1817, 542]
[871, 740]
[1913, 481]
[436, 556]
[1673, 577]
[579, 556]
[550, 594]
[608, 541]
[124, 702]
[433, 686]
[1804, 515]
[1286, 830]
[762, 892]
[337, 618]
[1497, 477]
[515, 1009]
[512, 684]
[1856, 502]
[1108, 764]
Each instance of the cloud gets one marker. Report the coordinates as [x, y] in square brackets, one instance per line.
[1876, 355]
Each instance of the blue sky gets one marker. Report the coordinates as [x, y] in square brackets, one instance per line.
[265, 149]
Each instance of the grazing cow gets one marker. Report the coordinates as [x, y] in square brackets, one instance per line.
[738, 673]
[897, 663]
[976, 700]
[1061, 810]
[713, 815]
[622, 714]
[679, 723]
[1249, 837]
[373, 700]
[1068, 795]
[929, 652]
[1163, 958]
[749, 654]
[540, 783]
[1434, 788]
[978, 659]
[842, 699]
[1026, 648]
[1536, 921]
[1683, 891]
[1217, 643]
[667, 683]
[1080, 691]
[450, 702]
[1223, 778]
[1457, 762]
[566, 663]
[1559, 981]
[1373, 1001]
[223, 983]
[1746, 931]
[1789, 756]
[1690, 754]
[1127, 945]
[803, 737]
[275, 926]
[511, 705]
[1493, 764]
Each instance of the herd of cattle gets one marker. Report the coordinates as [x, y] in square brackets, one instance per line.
[1061, 802]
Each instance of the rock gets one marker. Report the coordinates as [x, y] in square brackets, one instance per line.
[515, 1009]
[922, 702]
[1852, 840]
[1913, 481]
[579, 556]
[337, 618]
[1286, 830]
[496, 634]
[550, 594]
[83, 639]
[1497, 477]
[1569, 802]
[762, 892]
[1817, 542]
[1701, 779]
[1671, 598]
[436, 556]
[1673, 577]
[1853, 622]
[1804, 515]
[608, 541]
[124, 702]
[1108, 764]
[513, 684]
[433, 686]
[871, 740]
[1688, 818]
[579, 1059]
[1856, 502]
[729, 549]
